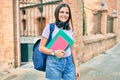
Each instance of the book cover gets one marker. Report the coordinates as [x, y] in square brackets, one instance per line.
[64, 36]
[59, 44]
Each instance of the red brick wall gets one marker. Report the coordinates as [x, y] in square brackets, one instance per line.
[7, 32]
[92, 5]
[95, 44]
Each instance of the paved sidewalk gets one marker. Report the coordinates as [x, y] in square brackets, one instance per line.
[103, 67]
[26, 72]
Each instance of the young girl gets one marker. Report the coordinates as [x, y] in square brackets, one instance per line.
[65, 67]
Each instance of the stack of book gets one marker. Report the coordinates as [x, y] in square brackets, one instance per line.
[61, 41]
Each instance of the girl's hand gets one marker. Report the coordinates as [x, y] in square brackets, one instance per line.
[59, 53]
[77, 74]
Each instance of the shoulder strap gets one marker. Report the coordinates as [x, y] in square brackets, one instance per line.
[51, 30]
[51, 27]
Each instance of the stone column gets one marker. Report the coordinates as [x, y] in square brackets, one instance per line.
[104, 21]
[118, 21]
[115, 24]
[76, 10]
[17, 53]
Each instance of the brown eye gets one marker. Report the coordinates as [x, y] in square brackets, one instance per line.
[67, 12]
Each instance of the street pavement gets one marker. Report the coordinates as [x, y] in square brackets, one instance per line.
[26, 72]
[103, 67]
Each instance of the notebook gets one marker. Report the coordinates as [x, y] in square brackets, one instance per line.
[59, 44]
[61, 34]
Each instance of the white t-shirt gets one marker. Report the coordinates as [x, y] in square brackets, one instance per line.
[46, 33]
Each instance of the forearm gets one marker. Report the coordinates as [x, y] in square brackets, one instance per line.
[75, 60]
[74, 55]
[45, 50]
[58, 53]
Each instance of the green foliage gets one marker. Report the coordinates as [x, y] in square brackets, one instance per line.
[84, 30]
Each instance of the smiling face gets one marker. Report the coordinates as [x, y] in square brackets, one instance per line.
[63, 14]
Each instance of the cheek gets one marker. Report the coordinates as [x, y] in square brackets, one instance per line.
[60, 15]
[67, 16]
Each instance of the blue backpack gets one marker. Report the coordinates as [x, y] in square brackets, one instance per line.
[39, 58]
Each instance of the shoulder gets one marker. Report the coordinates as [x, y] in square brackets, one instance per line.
[70, 30]
[47, 27]
[50, 24]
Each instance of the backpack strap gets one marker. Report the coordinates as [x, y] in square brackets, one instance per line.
[51, 30]
[51, 27]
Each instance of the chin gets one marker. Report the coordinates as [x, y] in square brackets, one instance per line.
[63, 21]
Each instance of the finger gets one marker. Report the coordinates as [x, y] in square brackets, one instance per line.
[63, 52]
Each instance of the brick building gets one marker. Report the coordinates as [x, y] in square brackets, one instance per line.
[19, 24]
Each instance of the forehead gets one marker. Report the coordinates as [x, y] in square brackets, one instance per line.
[64, 9]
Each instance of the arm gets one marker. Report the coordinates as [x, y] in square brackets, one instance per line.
[74, 55]
[42, 47]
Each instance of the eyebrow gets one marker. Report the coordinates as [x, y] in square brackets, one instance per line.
[64, 11]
